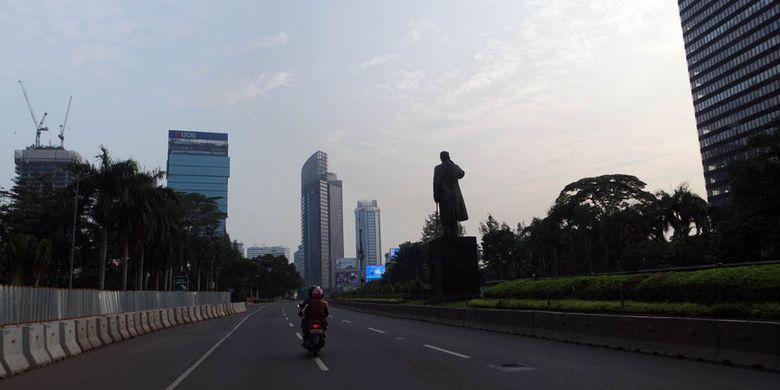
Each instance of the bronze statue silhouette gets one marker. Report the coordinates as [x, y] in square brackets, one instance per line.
[447, 195]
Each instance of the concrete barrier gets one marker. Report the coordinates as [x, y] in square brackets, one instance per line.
[82, 335]
[3, 372]
[178, 314]
[199, 313]
[132, 326]
[167, 318]
[92, 332]
[139, 329]
[104, 332]
[190, 313]
[204, 312]
[68, 338]
[52, 340]
[143, 323]
[221, 309]
[124, 327]
[652, 334]
[113, 328]
[34, 345]
[155, 319]
[590, 329]
[543, 325]
[755, 344]
[694, 338]
[211, 312]
[229, 308]
[241, 307]
[11, 353]
[618, 332]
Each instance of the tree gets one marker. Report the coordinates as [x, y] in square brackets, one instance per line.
[498, 249]
[432, 229]
[411, 263]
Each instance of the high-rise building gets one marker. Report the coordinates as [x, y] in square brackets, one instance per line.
[256, 251]
[322, 223]
[733, 52]
[199, 162]
[298, 260]
[44, 167]
[368, 234]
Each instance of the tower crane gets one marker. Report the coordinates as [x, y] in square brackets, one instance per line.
[64, 123]
[38, 125]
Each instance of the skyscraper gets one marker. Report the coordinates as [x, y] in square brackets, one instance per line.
[322, 224]
[368, 234]
[733, 52]
[199, 162]
[298, 260]
[42, 167]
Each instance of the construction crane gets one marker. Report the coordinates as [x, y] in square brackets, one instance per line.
[64, 123]
[38, 125]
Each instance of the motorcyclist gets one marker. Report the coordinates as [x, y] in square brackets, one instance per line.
[314, 309]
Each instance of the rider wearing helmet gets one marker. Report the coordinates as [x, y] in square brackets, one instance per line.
[314, 309]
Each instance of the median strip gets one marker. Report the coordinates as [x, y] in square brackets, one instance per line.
[460, 355]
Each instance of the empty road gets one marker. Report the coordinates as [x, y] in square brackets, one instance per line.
[260, 349]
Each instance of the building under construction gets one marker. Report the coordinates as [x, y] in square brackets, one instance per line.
[46, 166]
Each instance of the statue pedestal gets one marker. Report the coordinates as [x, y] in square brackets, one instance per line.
[454, 268]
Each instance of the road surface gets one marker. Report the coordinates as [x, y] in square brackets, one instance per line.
[260, 349]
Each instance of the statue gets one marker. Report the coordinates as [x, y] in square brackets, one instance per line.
[446, 194]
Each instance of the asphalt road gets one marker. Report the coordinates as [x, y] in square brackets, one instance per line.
[260, 349]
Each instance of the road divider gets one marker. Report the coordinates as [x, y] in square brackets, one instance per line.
[738, 342]
[37, 344]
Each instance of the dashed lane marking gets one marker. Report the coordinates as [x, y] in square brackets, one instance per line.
[299, 336]
[291, 325]
[346, 321]
[460, 355]
[321, 364]
[195, 365]
[377, 330]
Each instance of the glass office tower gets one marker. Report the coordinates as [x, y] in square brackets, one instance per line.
[733, 52]
[322, 223]
[199, 162]
[368, 234]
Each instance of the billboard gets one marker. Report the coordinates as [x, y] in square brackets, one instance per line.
[197, 142]
[346, 264]
[374, 272]
[394, 254]
[346, 281]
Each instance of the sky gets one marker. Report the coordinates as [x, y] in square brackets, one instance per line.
[527, 96]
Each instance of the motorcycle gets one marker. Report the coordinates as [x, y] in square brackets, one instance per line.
[314, 340]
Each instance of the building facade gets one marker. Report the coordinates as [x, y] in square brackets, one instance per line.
[368, 234]
[257, 251]
[298, 260]
[46, 167]
[322, 225]
[198, 162]
[733, 53]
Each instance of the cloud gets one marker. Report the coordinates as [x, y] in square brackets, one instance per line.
[275, 40]
[424, 29]
[256, 86]
[374, 61]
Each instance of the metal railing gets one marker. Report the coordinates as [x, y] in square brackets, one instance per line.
[31, 304]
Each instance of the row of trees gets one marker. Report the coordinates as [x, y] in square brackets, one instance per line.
[130, 232]
[611, 223]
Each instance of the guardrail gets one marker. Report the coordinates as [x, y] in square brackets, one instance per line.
[743, 343]
[33, 304]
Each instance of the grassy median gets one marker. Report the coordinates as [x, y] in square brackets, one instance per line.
[765, 310]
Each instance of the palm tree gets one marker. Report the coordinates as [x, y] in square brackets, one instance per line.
[111, 182]
[682, 211]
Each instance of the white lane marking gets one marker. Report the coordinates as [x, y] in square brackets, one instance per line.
[348, 322]
[291, 325]
[377, 330]
[195, 365]
[320, 364]
[299, 336]
[447, 351]
[400, 338]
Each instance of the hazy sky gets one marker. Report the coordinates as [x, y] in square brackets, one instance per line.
[526, 95]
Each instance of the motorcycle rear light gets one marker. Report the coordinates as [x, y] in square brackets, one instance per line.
[315, 326]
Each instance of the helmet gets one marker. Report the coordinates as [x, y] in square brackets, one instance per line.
[312, 288]
[317, 293]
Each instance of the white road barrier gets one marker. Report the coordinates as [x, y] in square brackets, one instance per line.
[68, 337]
[34, 345]
[52, 340]
[11, 352]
